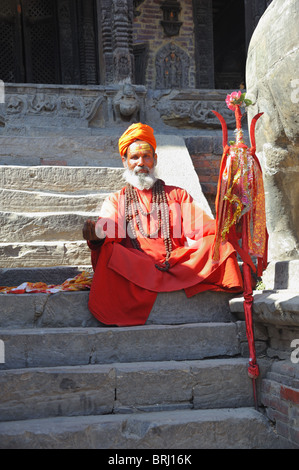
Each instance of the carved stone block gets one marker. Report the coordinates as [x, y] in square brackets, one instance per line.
[172, 67]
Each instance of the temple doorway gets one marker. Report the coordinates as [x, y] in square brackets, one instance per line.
[229, 43]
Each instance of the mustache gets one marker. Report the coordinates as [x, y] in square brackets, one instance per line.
[141, 169]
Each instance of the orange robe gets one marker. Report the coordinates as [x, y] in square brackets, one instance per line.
[126, 281]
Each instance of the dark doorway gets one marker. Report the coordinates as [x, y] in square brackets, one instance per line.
[140, 52]
[229, 43]
[48, 41]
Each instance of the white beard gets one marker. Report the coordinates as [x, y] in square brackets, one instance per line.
[140, 181]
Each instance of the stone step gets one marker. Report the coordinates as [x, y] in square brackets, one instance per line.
[93, 150]
[124, 388]
[75, 180]
[70, 309]
[172, 154]
[100, 150]
[22, 227]
[44, 254]
[228, 428]
[276, 320]
[282, 275]
[277, 307]
[50, 347]
[12, 200]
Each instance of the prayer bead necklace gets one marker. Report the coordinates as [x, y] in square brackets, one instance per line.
[133, 210]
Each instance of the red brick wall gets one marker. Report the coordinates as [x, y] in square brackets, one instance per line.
[207, 168]
[206, 153]
[147, 29]
[280, 396]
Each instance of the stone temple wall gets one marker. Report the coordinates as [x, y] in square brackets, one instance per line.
[82, 111]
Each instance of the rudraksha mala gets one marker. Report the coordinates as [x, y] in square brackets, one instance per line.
[133, 210]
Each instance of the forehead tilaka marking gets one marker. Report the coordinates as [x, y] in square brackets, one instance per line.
[140, 146]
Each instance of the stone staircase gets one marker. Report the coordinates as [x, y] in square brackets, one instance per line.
[67, 383]
[178, 382]
[44, 227]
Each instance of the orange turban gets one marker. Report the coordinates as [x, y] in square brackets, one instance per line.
[135, 132]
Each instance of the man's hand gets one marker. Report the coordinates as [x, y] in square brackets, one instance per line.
[89, 231]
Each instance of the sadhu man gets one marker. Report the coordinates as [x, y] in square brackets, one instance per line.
[151, 238]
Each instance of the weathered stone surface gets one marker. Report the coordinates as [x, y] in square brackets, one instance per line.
[213, 382]
[196, 384]
[186, 108]
[70, 309]
[123, 388]
[39, 110]
[272, 84]
[62, 391]
[42, 226]
[172, 154]
[279, 307]
[281, 275]
[283, 342]
[48, 191]
[43, 254]
[188, 429]
[40, 347]
[80, 180]
[39, 201]
[277, 312]
[63, 309]
[38, 226]
[63, 150]
[175, 307]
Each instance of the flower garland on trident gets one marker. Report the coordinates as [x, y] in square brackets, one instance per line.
[240, 211]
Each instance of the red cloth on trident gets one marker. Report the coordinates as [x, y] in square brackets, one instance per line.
[240, 215]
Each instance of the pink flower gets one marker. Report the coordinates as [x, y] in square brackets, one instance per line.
[232, 99]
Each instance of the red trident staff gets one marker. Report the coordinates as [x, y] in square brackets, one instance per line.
[240, 212]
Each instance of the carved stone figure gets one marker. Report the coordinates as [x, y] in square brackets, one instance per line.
[126, 105]
[172, 65]
[123, 60]
[273, 86]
